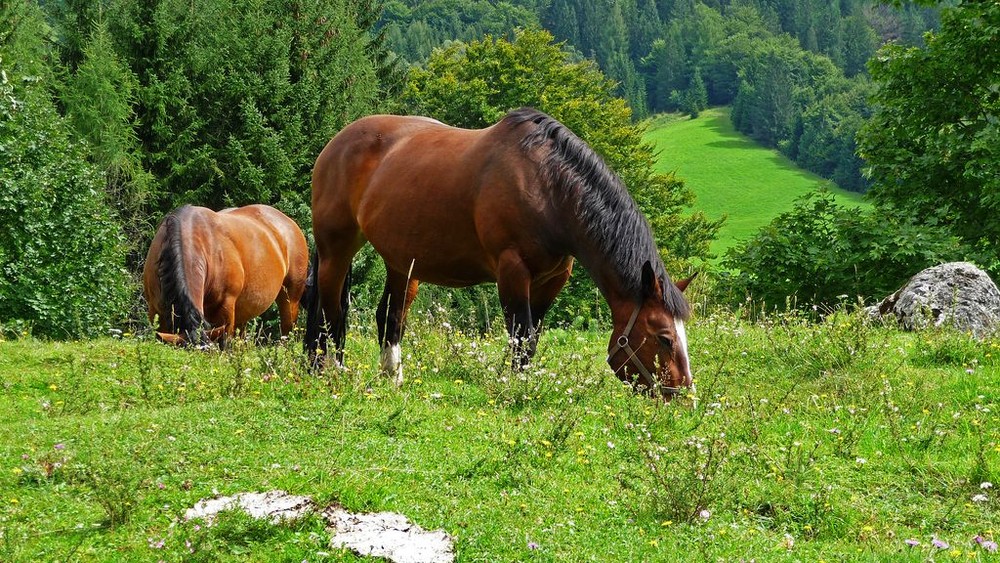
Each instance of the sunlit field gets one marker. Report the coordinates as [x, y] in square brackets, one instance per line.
[833, 441]
[732, 175]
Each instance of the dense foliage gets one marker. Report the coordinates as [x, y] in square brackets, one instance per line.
[933, 143]
[822, 253]
[117, 111]
[474, 84]
[234, 100]
[931, 147]
[61, 254]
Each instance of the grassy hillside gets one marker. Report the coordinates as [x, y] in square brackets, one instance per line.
[732, 175]
[839, 441]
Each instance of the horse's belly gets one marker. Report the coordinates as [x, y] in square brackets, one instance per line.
[438, 264]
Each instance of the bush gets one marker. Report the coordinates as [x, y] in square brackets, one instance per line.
[820, 252]
[61, 254]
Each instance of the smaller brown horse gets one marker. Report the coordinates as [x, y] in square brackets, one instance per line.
[207, 274]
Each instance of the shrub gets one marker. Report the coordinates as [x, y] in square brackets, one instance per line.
[61, 254]
[820, 252]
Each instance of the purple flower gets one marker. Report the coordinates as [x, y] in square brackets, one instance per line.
[532, 546]
[988, 545]
[939, 543]
[60, 446]
[912, 542]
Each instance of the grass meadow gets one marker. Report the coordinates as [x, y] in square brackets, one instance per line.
[732, 175]
[837, 441]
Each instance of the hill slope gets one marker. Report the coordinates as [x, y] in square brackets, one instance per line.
[731, 175]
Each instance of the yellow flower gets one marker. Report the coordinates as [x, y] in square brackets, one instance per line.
[654, 543]
[667, 523]
[54, 387]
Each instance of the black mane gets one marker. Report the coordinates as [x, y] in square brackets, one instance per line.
[182, 315]
[603, 205]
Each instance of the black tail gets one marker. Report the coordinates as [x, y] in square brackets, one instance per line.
[317, 328]
[183, 317]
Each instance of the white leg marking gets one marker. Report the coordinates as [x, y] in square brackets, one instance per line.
[392, 363]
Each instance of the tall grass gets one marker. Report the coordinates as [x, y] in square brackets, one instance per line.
[835, 441]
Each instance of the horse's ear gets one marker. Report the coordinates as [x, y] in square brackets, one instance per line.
[683, 284]
[170, 338]
[650, 284]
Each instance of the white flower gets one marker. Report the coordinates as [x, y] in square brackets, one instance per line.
[985, 485]
[979, 498]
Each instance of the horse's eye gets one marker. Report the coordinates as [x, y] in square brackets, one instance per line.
[665, 341]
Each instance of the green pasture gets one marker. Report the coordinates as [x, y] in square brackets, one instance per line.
[803, 442]
[731, 175]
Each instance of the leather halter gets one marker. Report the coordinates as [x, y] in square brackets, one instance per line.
[622, 344]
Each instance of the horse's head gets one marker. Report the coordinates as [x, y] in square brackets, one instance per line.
[648, 346]
[203, 338]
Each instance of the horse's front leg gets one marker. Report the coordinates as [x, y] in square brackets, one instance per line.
[398, 295]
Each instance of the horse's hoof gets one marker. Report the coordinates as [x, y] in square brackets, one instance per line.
[392, 363]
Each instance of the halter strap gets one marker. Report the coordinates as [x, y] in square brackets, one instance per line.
[622, 343]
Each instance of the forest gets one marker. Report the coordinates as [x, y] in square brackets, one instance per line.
[793, 70]
[113, 113]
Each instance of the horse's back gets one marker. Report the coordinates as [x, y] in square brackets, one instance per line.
[270, 244]
[424, 193]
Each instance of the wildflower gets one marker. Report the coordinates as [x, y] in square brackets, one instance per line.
[912, 542]
[939, 543]
[532, 546]
[705, 514]
[979, 498]
[60, 446]
[156, 544]
[985, 485]
[988, 545]
[788, 542]
[611, 445]
[861, 461]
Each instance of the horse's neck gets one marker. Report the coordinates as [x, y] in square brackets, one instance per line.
[605, 272]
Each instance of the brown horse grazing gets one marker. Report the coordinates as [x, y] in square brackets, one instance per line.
[207, 274]
[513, 204]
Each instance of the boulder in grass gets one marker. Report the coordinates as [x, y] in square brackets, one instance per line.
[956, 294]
[387, 535]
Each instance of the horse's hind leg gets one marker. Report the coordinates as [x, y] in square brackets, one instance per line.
[332, 278]
[391, 315]
[288, 306]
[514, 287]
